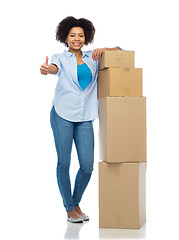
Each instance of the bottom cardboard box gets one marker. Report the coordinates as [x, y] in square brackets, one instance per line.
[122, 195]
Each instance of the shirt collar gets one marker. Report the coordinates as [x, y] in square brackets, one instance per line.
[69, 54]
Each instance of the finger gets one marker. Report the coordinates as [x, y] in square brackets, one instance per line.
[93, 55]
[44, 66]
[99, 56]
[43, 72]
[44, 69]
[95, 52]
[46, 60]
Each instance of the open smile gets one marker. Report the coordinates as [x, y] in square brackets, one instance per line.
[76, 44]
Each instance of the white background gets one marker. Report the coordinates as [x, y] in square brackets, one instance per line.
[30, 203]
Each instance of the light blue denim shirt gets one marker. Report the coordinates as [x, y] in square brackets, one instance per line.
[70, 101]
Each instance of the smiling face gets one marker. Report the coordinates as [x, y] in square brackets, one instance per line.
[75, 39]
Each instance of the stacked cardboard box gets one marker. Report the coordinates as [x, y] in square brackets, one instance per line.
[122, 142]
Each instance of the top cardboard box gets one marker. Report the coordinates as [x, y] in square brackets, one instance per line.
[118, 59]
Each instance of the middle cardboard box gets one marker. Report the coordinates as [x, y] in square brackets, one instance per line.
[122, 129]
[120, 82]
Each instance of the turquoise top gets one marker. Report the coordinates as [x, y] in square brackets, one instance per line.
[84, 75]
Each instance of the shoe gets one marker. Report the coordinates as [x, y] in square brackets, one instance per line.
[84, 217]
[75, 220]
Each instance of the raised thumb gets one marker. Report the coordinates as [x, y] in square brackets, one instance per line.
[46, 60]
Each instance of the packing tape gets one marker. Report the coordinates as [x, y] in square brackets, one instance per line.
[119, 53]
[116, 169]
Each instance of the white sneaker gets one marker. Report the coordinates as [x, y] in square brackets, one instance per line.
[75, 220]
[85, 218]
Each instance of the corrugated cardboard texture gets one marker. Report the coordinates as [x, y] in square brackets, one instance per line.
[122, 195]
[120, 82]
[122, 129]
[124, 59]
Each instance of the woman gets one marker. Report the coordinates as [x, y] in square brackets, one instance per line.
[75, 106]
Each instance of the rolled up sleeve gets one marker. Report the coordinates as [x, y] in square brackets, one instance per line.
[56, 61]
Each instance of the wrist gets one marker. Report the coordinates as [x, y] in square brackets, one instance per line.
[52, 69]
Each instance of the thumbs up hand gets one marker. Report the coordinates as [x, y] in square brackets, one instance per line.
[44, 67]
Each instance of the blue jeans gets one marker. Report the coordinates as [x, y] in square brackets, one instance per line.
[65, 132]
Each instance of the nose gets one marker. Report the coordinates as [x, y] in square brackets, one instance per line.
[77, 38]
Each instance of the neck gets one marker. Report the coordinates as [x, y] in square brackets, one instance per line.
[77, 53]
